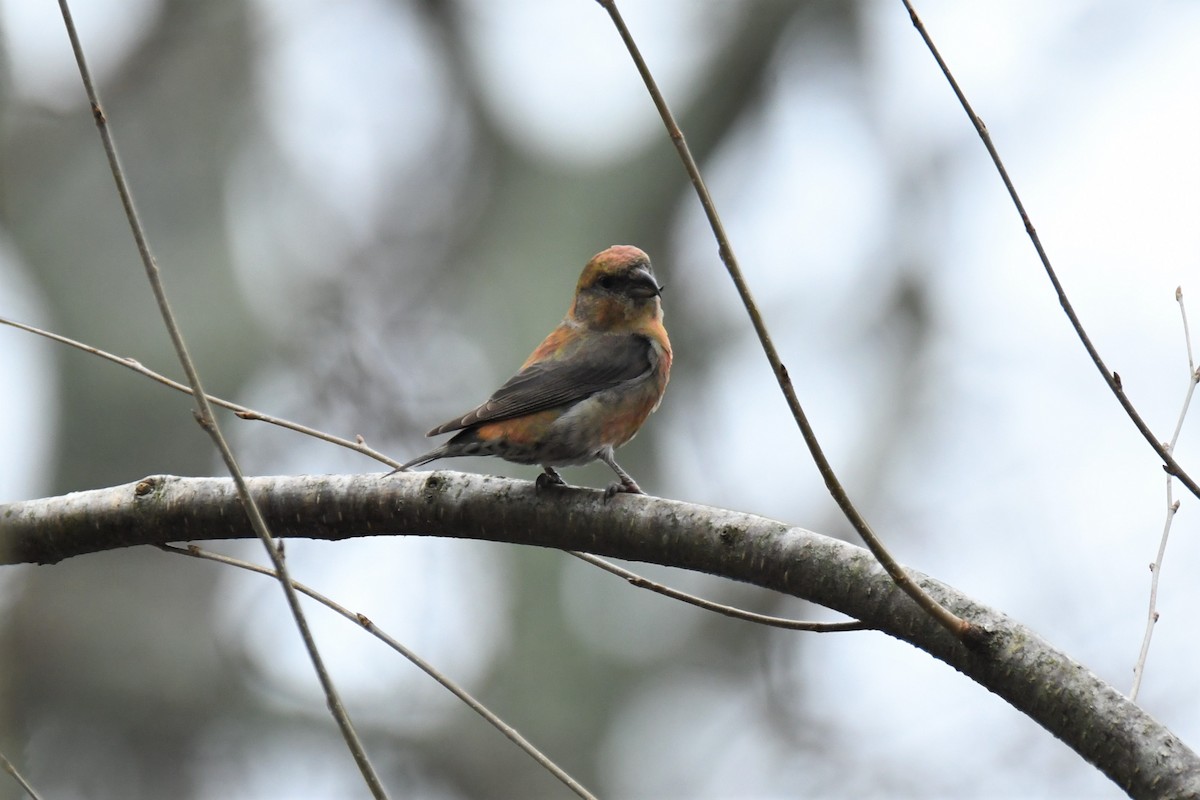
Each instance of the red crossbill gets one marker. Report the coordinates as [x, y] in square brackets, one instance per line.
[587, 388]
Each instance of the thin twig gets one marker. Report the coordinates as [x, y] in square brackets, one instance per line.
[358, 445]
[1139, 668]
[737, 613]
[953, 623]
[1187, 337]
[205, 416]
[11, 770]
[364, 622]
[1111, 378]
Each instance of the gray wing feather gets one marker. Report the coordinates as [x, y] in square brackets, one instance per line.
[607, 362]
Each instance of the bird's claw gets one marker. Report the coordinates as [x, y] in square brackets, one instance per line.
[549, 478]
[622, 487]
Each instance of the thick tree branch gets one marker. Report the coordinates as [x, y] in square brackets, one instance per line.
[1091, 717]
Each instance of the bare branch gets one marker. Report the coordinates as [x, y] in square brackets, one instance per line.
[1139, 668]
[959, 627]
[205, 416]
[1097, 721]
[737, 613]
[366, 624]
[1111, 378]
[358, 445]
[12, 771]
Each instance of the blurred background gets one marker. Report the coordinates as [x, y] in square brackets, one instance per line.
[368, 212]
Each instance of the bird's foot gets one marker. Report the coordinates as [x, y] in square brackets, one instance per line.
[549, 477]
[625, 486]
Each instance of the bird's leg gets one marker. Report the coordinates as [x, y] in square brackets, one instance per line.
[549, 477]
[626, 484]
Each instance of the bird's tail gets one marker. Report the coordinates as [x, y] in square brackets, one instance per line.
[432, 455]
[465, 443]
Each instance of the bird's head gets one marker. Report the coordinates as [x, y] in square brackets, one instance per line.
[617, 288]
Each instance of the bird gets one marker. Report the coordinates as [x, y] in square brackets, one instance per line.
[586, 389]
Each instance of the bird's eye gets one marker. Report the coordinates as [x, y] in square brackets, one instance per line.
[608, 282]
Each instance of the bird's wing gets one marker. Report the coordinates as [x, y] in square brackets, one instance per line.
[600, 363]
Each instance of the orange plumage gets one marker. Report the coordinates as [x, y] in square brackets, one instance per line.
[587, 388]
